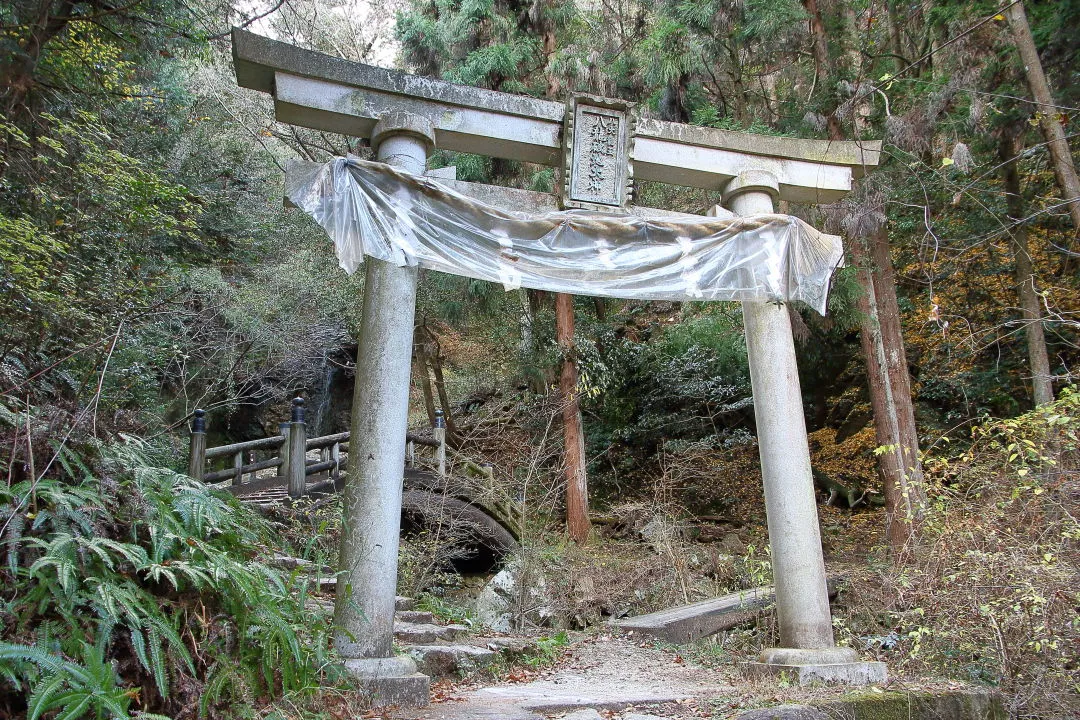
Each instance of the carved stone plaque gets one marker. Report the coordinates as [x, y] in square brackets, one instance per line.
[597, 145]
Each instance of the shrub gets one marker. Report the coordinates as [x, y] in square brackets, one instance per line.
[989, 592]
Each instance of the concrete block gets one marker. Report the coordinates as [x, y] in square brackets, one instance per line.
[847, 673]
[390, 681]
[687, 623]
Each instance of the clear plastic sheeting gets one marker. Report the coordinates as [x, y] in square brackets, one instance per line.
[371, 209]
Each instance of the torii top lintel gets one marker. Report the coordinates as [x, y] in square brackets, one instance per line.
[325, 93]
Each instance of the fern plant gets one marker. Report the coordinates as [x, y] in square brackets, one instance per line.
[137, 589]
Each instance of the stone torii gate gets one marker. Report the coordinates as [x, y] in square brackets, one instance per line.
[601, 148]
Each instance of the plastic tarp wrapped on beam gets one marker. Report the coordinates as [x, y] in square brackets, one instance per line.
[369, 208]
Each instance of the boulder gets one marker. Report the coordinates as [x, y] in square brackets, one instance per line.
[496, 604]
[446, 660]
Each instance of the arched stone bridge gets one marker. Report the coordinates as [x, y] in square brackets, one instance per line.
[464, 501]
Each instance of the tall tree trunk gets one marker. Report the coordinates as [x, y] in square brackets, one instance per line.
[17, 72]
[1009, 150]
[886, 360]
[822, 65]
[577, 492]
[525, 325]
[896, 38]
[899, 463]
[910, 481]
[1064, 169]
[452, 435]
[429, 356]
[420, 370]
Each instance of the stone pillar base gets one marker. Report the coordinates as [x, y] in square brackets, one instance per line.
[390, 681]
[806, 667]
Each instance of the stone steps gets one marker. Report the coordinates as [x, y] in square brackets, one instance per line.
[414, 616]
[408, 633]
[446, 650]
[440, 650]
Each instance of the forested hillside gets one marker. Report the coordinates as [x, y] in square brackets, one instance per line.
[148, 267]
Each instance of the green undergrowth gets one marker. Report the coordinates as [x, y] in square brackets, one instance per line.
[445, 610]
[132, 590]
[987, 592]
[549, 648]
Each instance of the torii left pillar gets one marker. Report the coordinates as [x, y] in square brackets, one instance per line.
[367, 583]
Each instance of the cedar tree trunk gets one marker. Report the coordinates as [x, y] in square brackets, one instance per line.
[577, 492]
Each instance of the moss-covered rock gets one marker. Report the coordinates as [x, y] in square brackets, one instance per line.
[917, 705]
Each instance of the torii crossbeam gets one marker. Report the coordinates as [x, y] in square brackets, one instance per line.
[602, 147]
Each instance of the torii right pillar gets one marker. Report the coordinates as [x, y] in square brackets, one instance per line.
[807, 651]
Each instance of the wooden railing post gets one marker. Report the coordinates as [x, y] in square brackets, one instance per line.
[197, 451]
[439, 432]
[283, 452]
[238, 468]
[297, 472]
[410, 454]
[335, 455]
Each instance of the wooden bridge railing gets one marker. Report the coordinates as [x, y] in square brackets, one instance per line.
[291, 446]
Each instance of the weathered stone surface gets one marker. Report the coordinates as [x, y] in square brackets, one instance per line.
[364, 613]
[510, 646]
[687, 623]
[446, 660]
[923, 705]
[784, 712]
[848, 673]
[732, 544]
[808, 656]
[390, 681]
[546, 699]
[598, 137]
[330, 94]
[530, 201]
[426, 633]
[494, 605]
[319, 605]
[288, 562]
[802, 602]
[404, 603]
[553, 703]
[414, 616]
[587, 714]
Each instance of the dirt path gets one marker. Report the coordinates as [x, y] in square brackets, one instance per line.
[603, 673]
